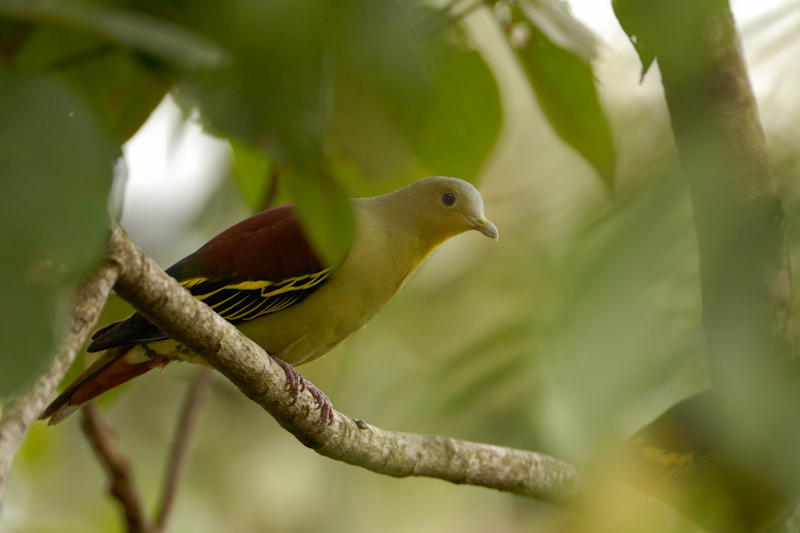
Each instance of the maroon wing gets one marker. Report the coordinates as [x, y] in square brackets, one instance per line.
[263, 264]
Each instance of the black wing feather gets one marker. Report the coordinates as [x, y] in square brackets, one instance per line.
[234, 300]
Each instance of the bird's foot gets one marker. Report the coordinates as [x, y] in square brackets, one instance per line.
[297, 383]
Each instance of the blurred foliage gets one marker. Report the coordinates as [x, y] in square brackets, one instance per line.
[579, 326]
[335, 101]
[254, 175]
[556, 53]
[55, 163]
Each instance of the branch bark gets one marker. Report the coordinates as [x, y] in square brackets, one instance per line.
[178, 314]
[177, 460]
[173, 309]
[85, 307]
[109, 451]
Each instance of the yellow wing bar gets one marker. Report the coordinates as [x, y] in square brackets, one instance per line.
[245, 300]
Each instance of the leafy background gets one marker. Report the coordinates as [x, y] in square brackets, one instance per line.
[578, 326]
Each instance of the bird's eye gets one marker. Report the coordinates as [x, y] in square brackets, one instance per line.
[448, 198]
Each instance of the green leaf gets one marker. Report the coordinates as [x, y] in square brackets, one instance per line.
[122, 88]
[324, 210]
[440, 117]
[56, 168]
[564, 86]
[381, 92]
[269, 94]
[634, 22]
[553, 18]
[465, 116]
[308, 81]
[156, 37]
[658, 28]
[310, 77]
[252, 173]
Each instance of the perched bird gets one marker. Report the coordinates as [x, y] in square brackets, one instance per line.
[263, 276]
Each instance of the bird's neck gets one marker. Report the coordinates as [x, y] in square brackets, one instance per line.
[387, 226]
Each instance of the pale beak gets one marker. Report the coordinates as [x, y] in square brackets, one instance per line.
[480, 223]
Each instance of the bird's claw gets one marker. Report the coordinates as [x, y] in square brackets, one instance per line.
[297, 383]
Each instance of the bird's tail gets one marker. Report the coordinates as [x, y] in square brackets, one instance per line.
[114, 367]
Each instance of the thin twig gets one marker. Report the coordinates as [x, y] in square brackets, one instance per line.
[177, 460]
[120, 472]
[22, 411]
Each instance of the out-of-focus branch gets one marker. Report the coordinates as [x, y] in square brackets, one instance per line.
[177, 460]
[178, 314]
[748, 313]
[85, 307]
[120, 472]
[747, 286]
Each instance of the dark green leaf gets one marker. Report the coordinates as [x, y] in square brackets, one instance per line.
[380, 92]
[659, 28]
[629, 15]
[56, 171]
[307, 78]
[122, 88]
[308, 81]
[158, 38]
[410, 125]
[269, 95]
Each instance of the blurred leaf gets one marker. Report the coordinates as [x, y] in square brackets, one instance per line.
[564, 86]
[121, 87]
[553, 18]
[465, 115]
[156, 37]
[468, 378]
[269, 95]
[56, 168]
[324, 209]
[251, 170]
[380, 91]
[364, 136]
[118, 60]
[449, 128]
[628, 14]
[662, 27]
[300, 74]
[307, 78]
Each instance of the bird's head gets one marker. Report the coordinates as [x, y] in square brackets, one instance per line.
[442, 207]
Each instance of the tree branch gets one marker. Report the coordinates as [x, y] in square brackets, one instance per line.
[120, 472]
[178, 314]
[177, 460]
[85, 307]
